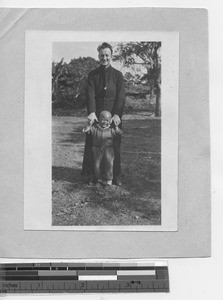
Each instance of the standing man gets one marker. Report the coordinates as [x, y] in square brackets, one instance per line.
[105, 91]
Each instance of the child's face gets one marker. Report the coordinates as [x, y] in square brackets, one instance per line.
[104, 121]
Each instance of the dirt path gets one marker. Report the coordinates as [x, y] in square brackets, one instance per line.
[136, 202]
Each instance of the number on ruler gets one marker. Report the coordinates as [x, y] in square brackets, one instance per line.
[36, 265]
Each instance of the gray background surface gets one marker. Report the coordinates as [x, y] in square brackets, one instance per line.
[193, 236]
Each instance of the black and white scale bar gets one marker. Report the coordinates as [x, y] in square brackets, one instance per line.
[79, 275]
[83, 278]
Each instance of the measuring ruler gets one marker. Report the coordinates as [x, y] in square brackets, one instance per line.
[83, 278]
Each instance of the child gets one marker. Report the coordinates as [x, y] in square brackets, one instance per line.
[102, 134]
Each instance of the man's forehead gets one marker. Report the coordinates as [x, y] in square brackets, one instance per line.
[105, 50]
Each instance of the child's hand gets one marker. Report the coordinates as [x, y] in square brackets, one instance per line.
[87, 128]
[118, 130]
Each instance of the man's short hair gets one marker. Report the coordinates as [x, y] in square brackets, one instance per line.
[104, 46]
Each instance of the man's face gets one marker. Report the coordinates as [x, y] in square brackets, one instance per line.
[105, 57]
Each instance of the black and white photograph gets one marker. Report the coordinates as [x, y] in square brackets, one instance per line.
[106, 133]
[110, 139]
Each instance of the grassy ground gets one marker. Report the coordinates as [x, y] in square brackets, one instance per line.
[136, 202]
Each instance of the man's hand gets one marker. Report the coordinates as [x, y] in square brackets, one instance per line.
[116, 120]
[92, 117]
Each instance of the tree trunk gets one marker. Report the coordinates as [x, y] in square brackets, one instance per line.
[157, 84]
[158, 104]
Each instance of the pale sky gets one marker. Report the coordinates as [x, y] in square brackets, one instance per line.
[70, 50]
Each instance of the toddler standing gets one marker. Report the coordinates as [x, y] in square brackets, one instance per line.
[103, 134]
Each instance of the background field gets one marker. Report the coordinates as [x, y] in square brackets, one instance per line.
[136, 202]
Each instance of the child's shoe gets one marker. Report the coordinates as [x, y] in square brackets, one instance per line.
[100, 181]
[107, 183]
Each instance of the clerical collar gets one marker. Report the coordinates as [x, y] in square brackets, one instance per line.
[104, 68]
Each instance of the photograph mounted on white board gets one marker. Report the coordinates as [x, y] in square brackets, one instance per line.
[101, 131]
[106, 133]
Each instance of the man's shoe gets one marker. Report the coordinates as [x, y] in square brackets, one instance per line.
[117, 181]
[92, 181]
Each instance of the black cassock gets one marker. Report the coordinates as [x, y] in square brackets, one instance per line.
[105, 91]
